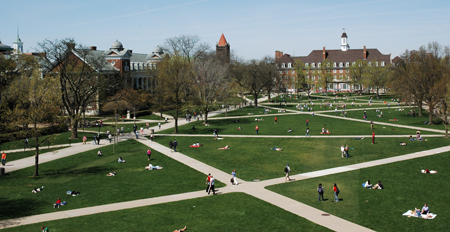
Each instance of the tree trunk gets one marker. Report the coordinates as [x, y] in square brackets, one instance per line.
[430, 113]
[419, 104]
[256, 100]
[378, 92]
[176, 118]
[268, 92]
[74, 127]
[36, 157]
[445, 118]
[206, 118]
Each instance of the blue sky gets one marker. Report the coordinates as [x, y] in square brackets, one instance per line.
[253, 28]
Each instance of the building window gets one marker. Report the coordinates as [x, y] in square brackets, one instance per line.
[328, 65]
[369, 63]
[334, 70]
[313, 65]
[289, 65]
[319, 64]
[283, 65]
[376, 63]
[341, 71]
[353, 63]
[334, 64]
[340, 77]
[382, 63]
[319, 71]
[293, 71]
[347, 64]
[307, 77]
[341, 64]
[348, 71]
[306, 65]
[280, 72]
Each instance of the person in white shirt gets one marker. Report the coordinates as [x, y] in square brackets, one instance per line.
[287, 169]
[342, 150]
[211, 186]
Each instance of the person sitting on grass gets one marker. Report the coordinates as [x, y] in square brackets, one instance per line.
[327, 132]
[57, 204]
[224, 148]
[367, 184]
[151, 167]
[276, 149]
[379, 185]
[239, 128]
[120, 160]
[197, 144]
[411, 138]
[111, 174]
[289, 130]
[99, 153]
[425, 210]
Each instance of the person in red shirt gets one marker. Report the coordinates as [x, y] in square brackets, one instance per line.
[58, 203]
[256, 129]
[3, 158]
[208, 179]
[307, 121]
[336, 192]
[373, 137]
[275, 120]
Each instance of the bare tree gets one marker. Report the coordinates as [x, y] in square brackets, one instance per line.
[84, 76]
[188, 46]
[211, 83]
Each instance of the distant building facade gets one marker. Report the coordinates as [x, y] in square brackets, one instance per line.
[339, 60]
[223, 50]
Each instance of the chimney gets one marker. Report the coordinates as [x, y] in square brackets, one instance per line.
[324, 54]
[278, 55]
[93, 48]
[365, 53]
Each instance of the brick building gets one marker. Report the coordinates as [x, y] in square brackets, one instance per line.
[339, 60]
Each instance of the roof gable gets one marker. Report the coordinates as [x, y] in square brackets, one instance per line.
[222, 41]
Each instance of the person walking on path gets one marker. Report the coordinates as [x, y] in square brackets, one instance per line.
[320, 191]
[94, 139]
[171, 145]
[233, 174]
[147, 125]
[152, 136]
[371, 124]
[137, 134]
[101, 122]
[336, 192]
[84, 139]
[175, 144]
[208, 180]
[287, 169]
[307, 133]
[276, 122]
[159, 125]
[373, 137]
[3, 158]
[307, 121]
[211, 186]
[135, 128]
[149, 153]
[256, 129]
[98, 139]
[342, 150]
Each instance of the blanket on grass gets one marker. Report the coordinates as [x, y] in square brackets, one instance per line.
[410, 213]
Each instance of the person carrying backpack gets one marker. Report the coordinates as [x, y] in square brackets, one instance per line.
[320, 191]
[287, 169]
[336, 192]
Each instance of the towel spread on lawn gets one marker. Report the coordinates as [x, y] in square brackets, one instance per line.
[424, 216]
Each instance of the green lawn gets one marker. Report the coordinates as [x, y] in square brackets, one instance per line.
[86, 173]
[24, 154]
[406, 188]
[297, 123]
[253, 159]
[152, 117]
[248, 110]
[227, 212]
[56, 139]
[391, 114]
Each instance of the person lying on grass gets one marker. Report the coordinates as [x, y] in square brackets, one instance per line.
[111, 174]
[224, 148]
[120, 160]
[290, 130]
[180, 230]
[239, 128]
[428, 171]
[358, 138]
[196, 145]
[276, 149]
[36, 190]
[151, 167]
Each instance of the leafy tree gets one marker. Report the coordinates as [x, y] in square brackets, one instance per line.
[325, 76]
[376, 76]
[36, 102]
[357, 72]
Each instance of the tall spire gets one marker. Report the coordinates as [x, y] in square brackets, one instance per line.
[222, 41]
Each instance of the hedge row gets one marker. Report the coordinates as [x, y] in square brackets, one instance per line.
[19, 135]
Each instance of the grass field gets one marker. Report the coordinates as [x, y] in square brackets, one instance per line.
[86, 173]
[56, 139]
[253, 159]
[406, 188]
[127, 127]
[24, 154]
[227, 212]
[297, 123]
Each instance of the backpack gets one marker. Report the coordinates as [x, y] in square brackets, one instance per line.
[337, 190]
[286, 169]
[232, 180]
[320, 190]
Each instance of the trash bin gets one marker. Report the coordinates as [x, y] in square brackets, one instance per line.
[153, 131]
[2, 171]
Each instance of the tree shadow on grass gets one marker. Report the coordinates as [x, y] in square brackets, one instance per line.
[17, 208]
[75, 172]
